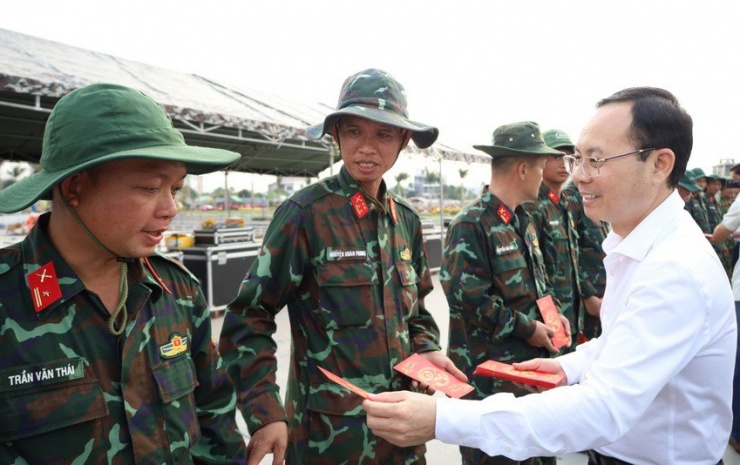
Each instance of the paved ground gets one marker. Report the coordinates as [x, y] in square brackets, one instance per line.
[438, 453]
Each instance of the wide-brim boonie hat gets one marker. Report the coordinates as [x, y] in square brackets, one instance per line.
[698, 173]
[100, 123]
[557, 139]
[516, 140]
[375, 95]
[688, 182]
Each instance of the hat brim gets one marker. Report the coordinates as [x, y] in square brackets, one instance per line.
[689, 187]
[422, 135]
[197, 160]
[499, 151]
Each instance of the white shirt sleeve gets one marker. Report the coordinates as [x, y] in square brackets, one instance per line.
[653, 336]
[731, 220]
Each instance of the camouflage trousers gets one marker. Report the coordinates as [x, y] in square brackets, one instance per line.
[325, 439]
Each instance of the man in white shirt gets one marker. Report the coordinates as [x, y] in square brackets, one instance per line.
[655, 387]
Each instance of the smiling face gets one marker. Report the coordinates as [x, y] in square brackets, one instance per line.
[627, 189]
[128, 204]
[369, 149]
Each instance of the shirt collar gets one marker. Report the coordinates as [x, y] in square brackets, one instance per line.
[359, 202]
[37, 250]
[639, 241]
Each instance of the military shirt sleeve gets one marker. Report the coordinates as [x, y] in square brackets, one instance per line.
[422, 327]
[247, 342]
[468, 282]
[221, 442]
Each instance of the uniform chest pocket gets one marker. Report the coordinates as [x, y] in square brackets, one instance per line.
[347, 293]
[42, 409]
[177, 382]
[409, 291]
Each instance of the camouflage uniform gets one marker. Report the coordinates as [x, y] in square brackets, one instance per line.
[592, 275]
[354, 277]
[70, 392]
[492, 273]
[714, 215]
[697, 208]
[553, 220]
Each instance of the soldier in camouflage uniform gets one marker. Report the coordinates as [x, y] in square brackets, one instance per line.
[493, 273]
[106, 354]
[585, 238]
[696, 206]
[687, 187]
[346, 256]
[714, 214]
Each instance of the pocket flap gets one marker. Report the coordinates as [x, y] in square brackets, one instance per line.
[175, 378]
[41, 409]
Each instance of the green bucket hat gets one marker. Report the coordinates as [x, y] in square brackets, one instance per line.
[688, 182]
[557, 139]
[377, 96]
[103, 122]
[698, 173]
[518, 139]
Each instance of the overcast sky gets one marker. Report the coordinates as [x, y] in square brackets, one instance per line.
[468, 66]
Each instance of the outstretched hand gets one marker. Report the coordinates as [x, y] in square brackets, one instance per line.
[402, 418]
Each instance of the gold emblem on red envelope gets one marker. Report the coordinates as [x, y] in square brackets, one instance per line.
[551, 318]
[424, 371]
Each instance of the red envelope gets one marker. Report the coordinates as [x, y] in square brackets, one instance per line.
[343, 382]
[551, 317]
[424, 371]
[496, 369]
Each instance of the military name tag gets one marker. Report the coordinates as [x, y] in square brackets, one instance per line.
[40, 374]
[333, 254]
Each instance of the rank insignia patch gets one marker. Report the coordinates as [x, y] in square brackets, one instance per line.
[555, 198]
[44, 286]
[504, 214]
[359, 205]
[177, 345]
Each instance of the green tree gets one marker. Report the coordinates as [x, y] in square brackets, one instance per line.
[400, 177]
[462, 174]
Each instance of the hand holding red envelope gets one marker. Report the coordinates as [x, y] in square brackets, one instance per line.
[551, 317]
[494, 369]
[424, 371]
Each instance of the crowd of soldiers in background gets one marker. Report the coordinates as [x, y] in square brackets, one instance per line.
[708, 197]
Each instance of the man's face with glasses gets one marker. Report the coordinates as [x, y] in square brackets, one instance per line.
[608, 170]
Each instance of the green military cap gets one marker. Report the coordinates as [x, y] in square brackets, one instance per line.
[713, 177]
[377, 96]
[557, 139]
[698, 173]
[688, 182]
[518, 139]
[103, 122]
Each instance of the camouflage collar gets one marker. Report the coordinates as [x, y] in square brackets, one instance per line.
[37, 251]
[363, 203]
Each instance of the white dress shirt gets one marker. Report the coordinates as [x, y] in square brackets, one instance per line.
[731, 221]
[656, 387]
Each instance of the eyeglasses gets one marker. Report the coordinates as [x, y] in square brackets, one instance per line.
[592, 166]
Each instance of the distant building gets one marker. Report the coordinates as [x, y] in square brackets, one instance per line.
[723, 168]
[289, 184]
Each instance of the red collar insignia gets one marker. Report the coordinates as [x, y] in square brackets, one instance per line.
[358, 204]
[555, 198]
[504, 214]
[44, 286]
[394, 213]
